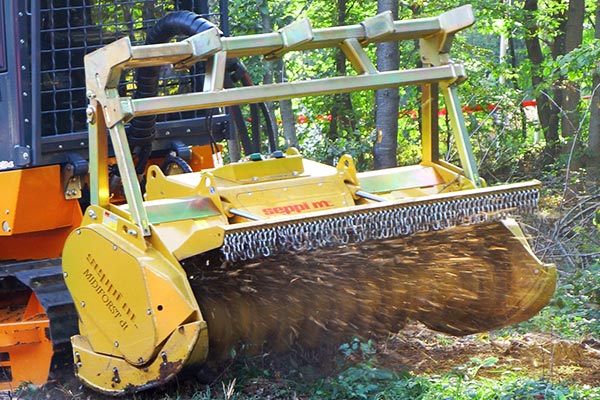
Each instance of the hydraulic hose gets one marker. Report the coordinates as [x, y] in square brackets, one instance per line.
[269, 124]
[142, 130]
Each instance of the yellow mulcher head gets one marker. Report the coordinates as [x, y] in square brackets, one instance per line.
[279, 250]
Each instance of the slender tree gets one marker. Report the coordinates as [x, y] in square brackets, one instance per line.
[545, 108]
[593, 159]
[386, 100]
[274, 71]
[571, 90]
[341, 108]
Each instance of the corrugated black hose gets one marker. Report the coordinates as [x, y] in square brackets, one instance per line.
[142, 130]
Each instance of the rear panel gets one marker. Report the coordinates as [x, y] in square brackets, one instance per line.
[2, 42]
[42, 84]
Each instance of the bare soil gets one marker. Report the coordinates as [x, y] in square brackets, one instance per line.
[535, 355]
[421, 351]
[415, 349]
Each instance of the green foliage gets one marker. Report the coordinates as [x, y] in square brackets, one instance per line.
[574, 310]
[543, 389]
[501, 137]
[365, 380]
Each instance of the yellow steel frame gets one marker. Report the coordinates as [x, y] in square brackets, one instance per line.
[109, 110]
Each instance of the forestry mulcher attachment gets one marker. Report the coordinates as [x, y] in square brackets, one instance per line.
[278, 250]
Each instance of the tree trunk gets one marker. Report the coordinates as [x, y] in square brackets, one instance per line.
[515, 82]
[534, 52]
[386, 100]
[341, 109]
[288, 120]
[571, 94]
[233, 145]
[268, 66]
[593, 159]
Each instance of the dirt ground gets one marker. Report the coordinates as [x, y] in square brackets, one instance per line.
[415, 349]
[536, 355]
[421, 351]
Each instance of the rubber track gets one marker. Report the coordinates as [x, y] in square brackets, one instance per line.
[45, 278]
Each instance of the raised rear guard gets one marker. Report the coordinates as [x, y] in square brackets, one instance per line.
[276, 249]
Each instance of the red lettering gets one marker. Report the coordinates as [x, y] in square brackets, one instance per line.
[268, 211]
[322, 204]
[297, 208]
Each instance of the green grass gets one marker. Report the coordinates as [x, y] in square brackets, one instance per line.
[366, 381]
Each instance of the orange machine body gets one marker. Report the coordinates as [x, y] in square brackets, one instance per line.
[35, 217]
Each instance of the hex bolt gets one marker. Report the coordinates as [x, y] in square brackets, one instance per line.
[65, 274]
[92, 214]
[90, 114]
[116, 344]
[149, 312]
[78, 231]
[140, 360]
[132, 232]
[115, 248]
[82, 304]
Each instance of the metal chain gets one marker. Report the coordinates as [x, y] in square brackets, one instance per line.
[392, 221]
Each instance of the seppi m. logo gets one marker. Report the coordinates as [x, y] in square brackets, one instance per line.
[298, 208]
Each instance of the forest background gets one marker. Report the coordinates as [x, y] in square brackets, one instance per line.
[533, 73]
